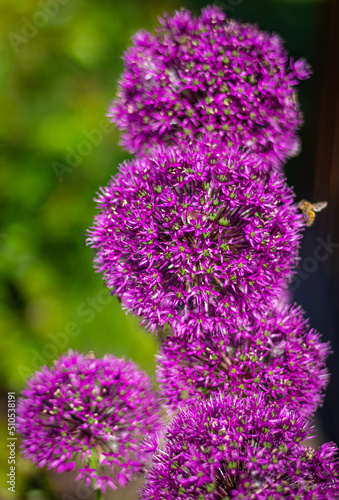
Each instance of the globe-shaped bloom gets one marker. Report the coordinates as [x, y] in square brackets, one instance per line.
[240, 449]
[199, 229]
[98, 410]
[209, 74]
[272, 353]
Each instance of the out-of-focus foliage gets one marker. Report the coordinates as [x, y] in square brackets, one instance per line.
[59, 63]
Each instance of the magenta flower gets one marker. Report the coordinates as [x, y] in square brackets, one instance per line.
[210, 74]
[272, 353]
[195, 230]
[98, 410]
[240, 449]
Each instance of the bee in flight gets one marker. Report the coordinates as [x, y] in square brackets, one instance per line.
[309, 210]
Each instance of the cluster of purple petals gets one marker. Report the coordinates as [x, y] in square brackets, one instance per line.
[196, 75]
[272, 353]
[236, 448]
[198, 235]
[96, 409]
[196, 230]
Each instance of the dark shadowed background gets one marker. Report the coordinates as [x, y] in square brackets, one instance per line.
[59, 65]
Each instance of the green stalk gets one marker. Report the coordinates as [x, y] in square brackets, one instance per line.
[97, 495]
[94, 465]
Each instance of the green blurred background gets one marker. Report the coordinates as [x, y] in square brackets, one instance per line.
[58, 72]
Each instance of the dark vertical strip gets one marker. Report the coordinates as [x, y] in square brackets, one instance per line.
[325, 296]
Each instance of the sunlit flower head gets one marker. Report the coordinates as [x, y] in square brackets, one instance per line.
[269, 352]
[95, 411]
[240, 449]
[195, 229]
[210, 74]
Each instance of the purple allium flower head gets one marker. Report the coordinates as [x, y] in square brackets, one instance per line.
[240, 449]
[273, 353]
[197, 228]
[96, 409]
[209, 74]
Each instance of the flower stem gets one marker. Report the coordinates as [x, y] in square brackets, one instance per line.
[97, 495]
[94, 465]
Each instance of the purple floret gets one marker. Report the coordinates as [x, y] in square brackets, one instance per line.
[272, 353]
[240, 449]
[98, 410]
[195, 230]
[196, 75]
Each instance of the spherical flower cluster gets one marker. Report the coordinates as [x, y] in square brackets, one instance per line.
[96, 409]
[199, 229]
[240, 449]
[272, 353]
[210, 74]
